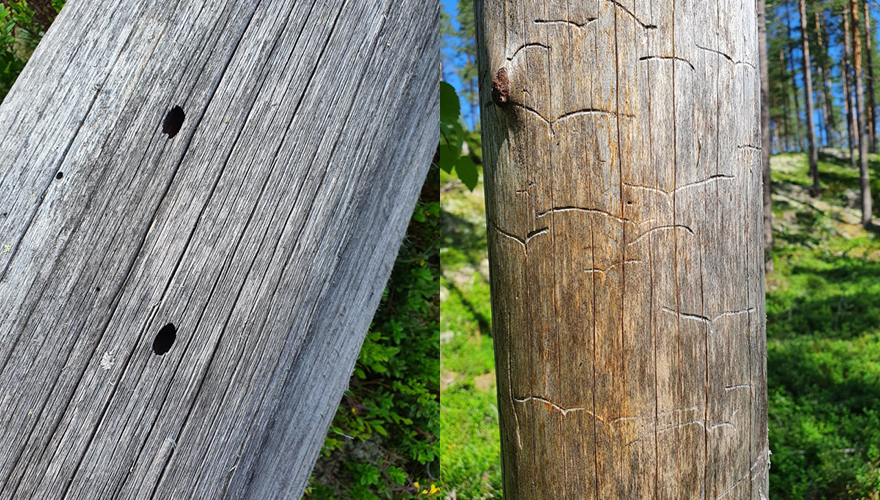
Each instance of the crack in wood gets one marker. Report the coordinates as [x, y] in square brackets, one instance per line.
[510, 390]
[660, 228]
[522, 241]
[623, 8]
[728, 423]
[728, 490]
[725, 56]
[570, 114]
[667, 192]
[528, 46]
[709, 321]
[581, 209]
[736, 387]
[566, 22]
[559, 408]
[668, 58]
[591, 111]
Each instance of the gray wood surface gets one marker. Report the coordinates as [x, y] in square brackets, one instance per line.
[624, 203]
[264, 231]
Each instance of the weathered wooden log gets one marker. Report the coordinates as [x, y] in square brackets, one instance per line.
[200, 204]
[623, 192]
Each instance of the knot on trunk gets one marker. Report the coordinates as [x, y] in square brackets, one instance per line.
[500, 87]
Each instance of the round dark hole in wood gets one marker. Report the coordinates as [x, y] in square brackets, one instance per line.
[173, 121]
[165, 339]
[59, 175]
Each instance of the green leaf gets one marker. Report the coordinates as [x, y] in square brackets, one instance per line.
[377, 426]
[467, 172]
[451, 138]
[450, 107]
[419, 214]
[396, 474]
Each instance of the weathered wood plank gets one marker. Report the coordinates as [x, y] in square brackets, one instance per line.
[623, 199]
[264, 231]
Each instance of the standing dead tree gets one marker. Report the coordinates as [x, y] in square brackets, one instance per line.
[200, 204]
[622, 150]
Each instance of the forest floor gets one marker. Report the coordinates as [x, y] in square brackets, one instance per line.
[823, 347]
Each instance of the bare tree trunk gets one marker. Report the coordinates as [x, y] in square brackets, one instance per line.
[201, 205]
[797, 103]
[863, 129]
[872, 107]
[816, 189]
[851, 127]
[785, 111]
[766, 147]
[623, 156]
[827, 100]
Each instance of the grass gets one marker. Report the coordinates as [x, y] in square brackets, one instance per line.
[823, 348]
[469, 439]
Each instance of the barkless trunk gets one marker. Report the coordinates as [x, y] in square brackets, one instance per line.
[623, 165]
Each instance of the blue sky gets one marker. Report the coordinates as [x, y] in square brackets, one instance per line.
[449, 75]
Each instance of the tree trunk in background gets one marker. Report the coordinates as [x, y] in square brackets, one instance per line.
[787, 135]
[851, 127]
[623, 166]
[862, 126]
[827, 100]
[201, 205]
[765, 135]
[778, 149]
[869, 55]
[797, 104]
[816, 189]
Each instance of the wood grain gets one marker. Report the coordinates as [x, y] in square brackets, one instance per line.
[624, 201]
[264, 231]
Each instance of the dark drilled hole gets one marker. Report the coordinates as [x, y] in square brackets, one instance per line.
[164, 339]
[59, 175]
[173, 121]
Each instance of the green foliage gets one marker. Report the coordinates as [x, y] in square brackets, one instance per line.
[452, 139]
[469, 440]
[823, 338]
[383, 440]
[19, 35]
